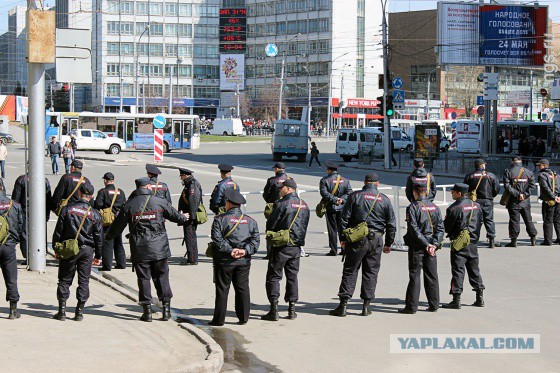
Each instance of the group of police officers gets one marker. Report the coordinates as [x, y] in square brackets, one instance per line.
[97, 225]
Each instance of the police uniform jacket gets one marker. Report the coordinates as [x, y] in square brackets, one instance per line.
[19, 193]
[380, 220]
[16, 228]
[105, 197]
[457, 217]
[284, 212]
[420, 232]
[69, 222]
[489, 184]
[191, 197]
[271, 191]
[148, 238]
[420, 177]
[525, 186]
[65, 187]
[245, 236]
[161, 190]
[218, 199]
[546, 177]
[326, 187]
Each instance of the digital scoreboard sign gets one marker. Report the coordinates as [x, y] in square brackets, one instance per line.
[233, 30]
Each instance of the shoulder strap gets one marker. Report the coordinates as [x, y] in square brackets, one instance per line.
[373, 204]
[470, 217]
[82, 223]
[336, 186]
[114, 197]
[142, 212]
[518, 176]
[156, 189]
[479, 180]
[429, 216]
[428, 183]
[235, 226]
[76, 188]
[9, 208]
[234, 185]
[295, 217]
[553, 183]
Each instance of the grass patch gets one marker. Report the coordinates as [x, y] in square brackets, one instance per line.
[215, 138]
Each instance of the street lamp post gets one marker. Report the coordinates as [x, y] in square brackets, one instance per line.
[280, 96]
[428, 95]
[329, 116]
[137, 67]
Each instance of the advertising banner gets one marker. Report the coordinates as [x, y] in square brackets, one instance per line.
[458, 33]
[232, 72]
[427, 139]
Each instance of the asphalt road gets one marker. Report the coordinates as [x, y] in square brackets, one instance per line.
[522, 295]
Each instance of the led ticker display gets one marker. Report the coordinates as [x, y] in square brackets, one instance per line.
[233, 30]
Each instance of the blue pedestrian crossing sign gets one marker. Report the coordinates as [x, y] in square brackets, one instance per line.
[159, 121]
[398, 96]
[398, 83]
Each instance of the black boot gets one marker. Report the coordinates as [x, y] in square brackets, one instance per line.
[292, 311]
[79, 316]
[14, 314]
[166, 313]
[272, 315]
[455, 303]
[408, 311]
[340, 311]
[513, 243]
[479, 299]
[147, 315]
[533, 240]
[365, 309]
[61, 315]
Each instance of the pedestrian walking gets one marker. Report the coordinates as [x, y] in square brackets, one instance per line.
[463, 220]
[286, 229]
[334, 190]
[483, 187]
[218, 199]
[67, 156]
[549, 183]
[393, 153]
[77, 241]
[73, 144]
[235, 238]
[12, 232]
[67, 187]
[271, 193]
[424, 236]
[314, 154]
[368, 225]
[419, 176]
[190, 202]
[159, 188]
[145, 215]
[54, 150]
[109, 201]
[519, 183]
[3, 156]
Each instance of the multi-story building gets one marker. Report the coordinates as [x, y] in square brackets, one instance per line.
[13, 68]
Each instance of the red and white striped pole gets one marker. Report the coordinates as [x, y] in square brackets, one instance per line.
[158, 145]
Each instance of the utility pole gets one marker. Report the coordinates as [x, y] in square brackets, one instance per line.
[71, 97]
[341, 97]
[309, 107]
[281, 85]
[238, 104]
[386, 123]
[170, 89]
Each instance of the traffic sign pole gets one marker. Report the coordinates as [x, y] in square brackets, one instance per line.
[158, 145]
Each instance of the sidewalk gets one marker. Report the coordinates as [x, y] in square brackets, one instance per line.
[110, 338]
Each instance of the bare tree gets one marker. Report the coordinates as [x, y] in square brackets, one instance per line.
[462, 87]
[265, 106]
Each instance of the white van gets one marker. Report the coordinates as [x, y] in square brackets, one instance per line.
[348, 143]
[401, 139]
[227, 127]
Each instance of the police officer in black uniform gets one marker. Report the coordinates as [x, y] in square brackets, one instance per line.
[236, 237]
[334, 190]
[90, 241]
[272, 188]
[424, 236]
[159, 188]
[367, 252]
[487, 186]
[104, 200]
[550, 195]
[285, 215]
[519, 182]
[464, 214]
[19, 194]
[190, 199]
[145, 215]
[217, 199]
[12, 211]
[67, 184]
[420, 176]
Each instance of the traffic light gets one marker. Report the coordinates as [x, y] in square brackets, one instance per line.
[381, 107]
[390, 110]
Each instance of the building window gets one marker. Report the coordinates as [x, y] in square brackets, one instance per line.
[185, 70]
[156, 9]
[171, 9]
[280, 7]
[113, 7]
[313, 25]
[156, 29]
[185, 30]
[143, 49]
[281, 28]
[113, 49]
[185, 90]
[113, 27]
[141, 27]
[142, 8]
[113, 69]
[324, 24]
[113, 90]
[127, 7]
[206, 92]
[127, 69]
[185, 50]
[156, 49]
[127, 49]
[171, 29]
[185, 10]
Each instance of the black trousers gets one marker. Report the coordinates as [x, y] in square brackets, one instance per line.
[158, 271]
[418, 260]
[466, 258]
[189, 234]
[514, 221]
[283, 259]
[365, 254]
[67, 269]
[8, 263]
[224, 276]
[333, 228]
[487, 207]
[113, 246]
[551, 217]
[314, 157]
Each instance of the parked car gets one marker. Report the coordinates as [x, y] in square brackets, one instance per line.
[6, 137]
[88, 139]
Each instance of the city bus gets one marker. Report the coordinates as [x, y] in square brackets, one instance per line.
[137, 130]
[513, 131]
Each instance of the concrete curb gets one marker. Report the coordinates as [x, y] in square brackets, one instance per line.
[214, 360]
